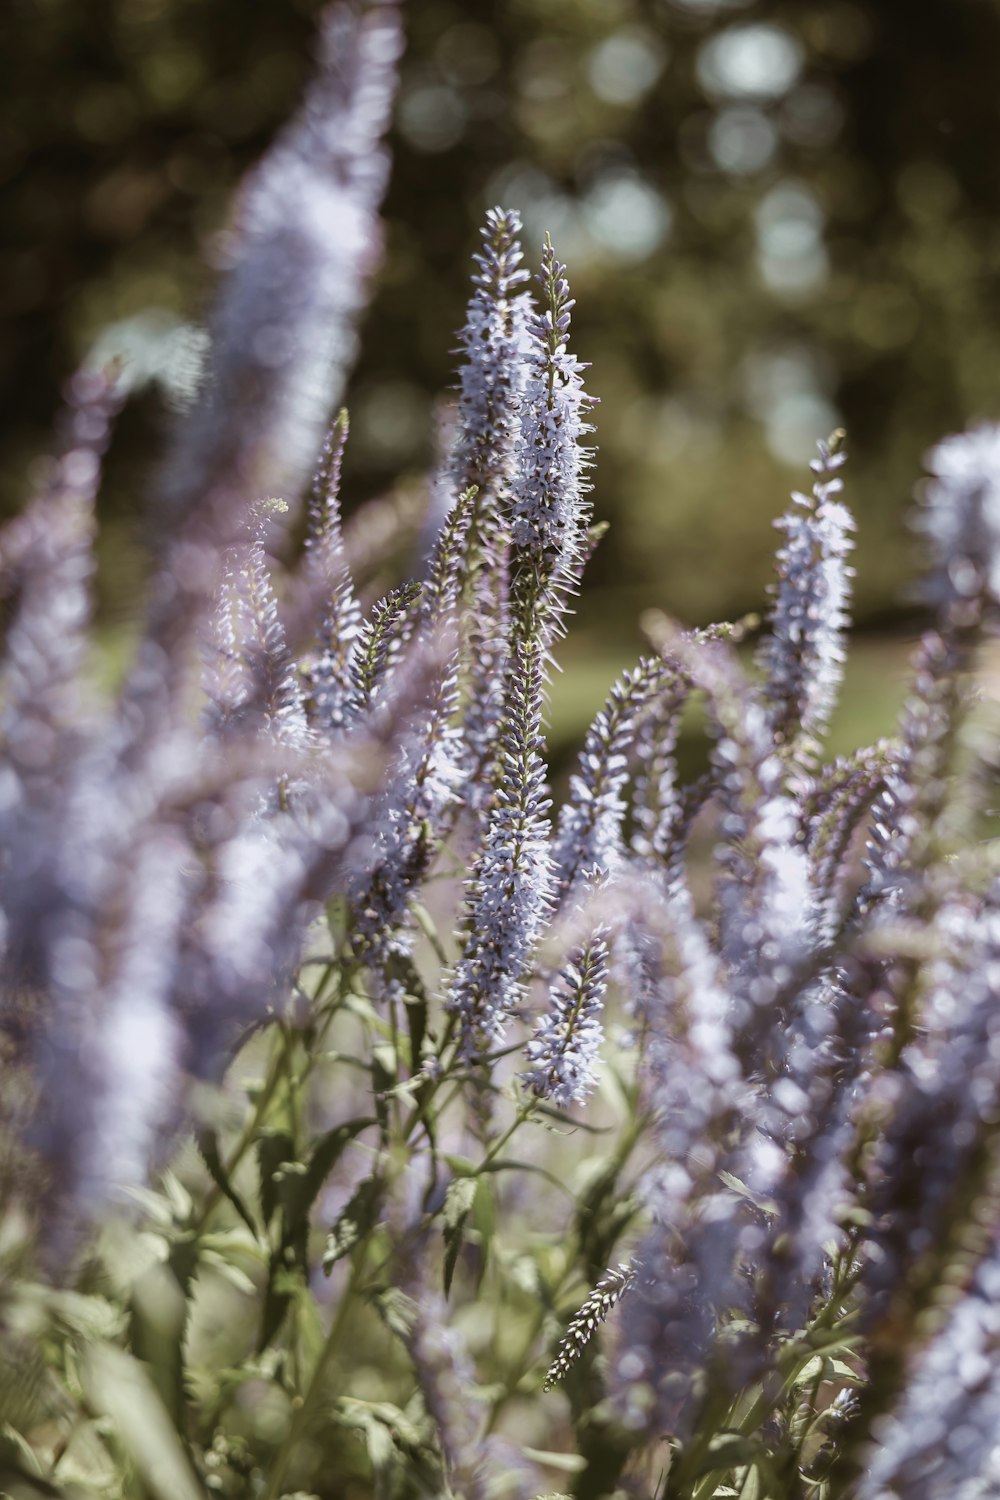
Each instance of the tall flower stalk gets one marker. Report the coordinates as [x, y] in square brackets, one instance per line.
[426, 1057]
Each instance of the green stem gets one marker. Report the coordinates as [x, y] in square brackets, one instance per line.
[303, 1412]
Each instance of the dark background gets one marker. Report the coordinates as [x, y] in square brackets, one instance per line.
[777, 217]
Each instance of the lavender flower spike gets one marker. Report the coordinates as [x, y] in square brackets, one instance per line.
[590, 823]
[803, 658]
[47, 561]
[563, 1050]
[511, 887]
[272, 681]
[306, 239]
[329, 676]
[494, 341]
[961, 519]
[942, 1437]
[549, 510]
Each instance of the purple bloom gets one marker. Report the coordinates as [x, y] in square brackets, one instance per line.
[960, 517]
[47, 563]
[494, 341]
[272, 696]
[941, 1437]
[328, 575]
[803, 658]
[547, 508]
[688, 1261]
[917, 788]
[410, 815]
[766, 914]
[510, 891]
[566, 1041]
[306, 238]
[590, 822]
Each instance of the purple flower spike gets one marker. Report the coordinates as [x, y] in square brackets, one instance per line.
[510, 891]
[803, 658]
[563, 1050]
[495, 343]
[548, 505]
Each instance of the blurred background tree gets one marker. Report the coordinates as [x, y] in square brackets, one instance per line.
[778, 215]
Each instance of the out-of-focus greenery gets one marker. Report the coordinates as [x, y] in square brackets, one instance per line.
[777, 217]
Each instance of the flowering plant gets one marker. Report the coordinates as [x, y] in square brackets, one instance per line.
[350, 1088]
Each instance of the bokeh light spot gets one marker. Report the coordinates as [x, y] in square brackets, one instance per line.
[742, 139]
[754, 61]
[432, 117]
[624, 67]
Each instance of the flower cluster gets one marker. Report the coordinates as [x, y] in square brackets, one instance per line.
[342, 873]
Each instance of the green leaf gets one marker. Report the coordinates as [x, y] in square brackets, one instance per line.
[119, 1386]
[809, 1372]
[727, 1450]
[736, 1185]
[355, 1222]
[751, 1488]
[325, 1155]
[462, 1166]
[18, 1452]
[86, 1317]
[274, 1149]
[566, 1463]
[157, 1331]
[221, 1261]
[396, 1310]
[458, 1201]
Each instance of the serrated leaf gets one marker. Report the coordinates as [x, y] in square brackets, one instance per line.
[327, 1152]
[118, 1386]
[88, 1317]
[356, 1220]
[177, 1196]
[396, 1310]
[208, 1146]
[458, 1200]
